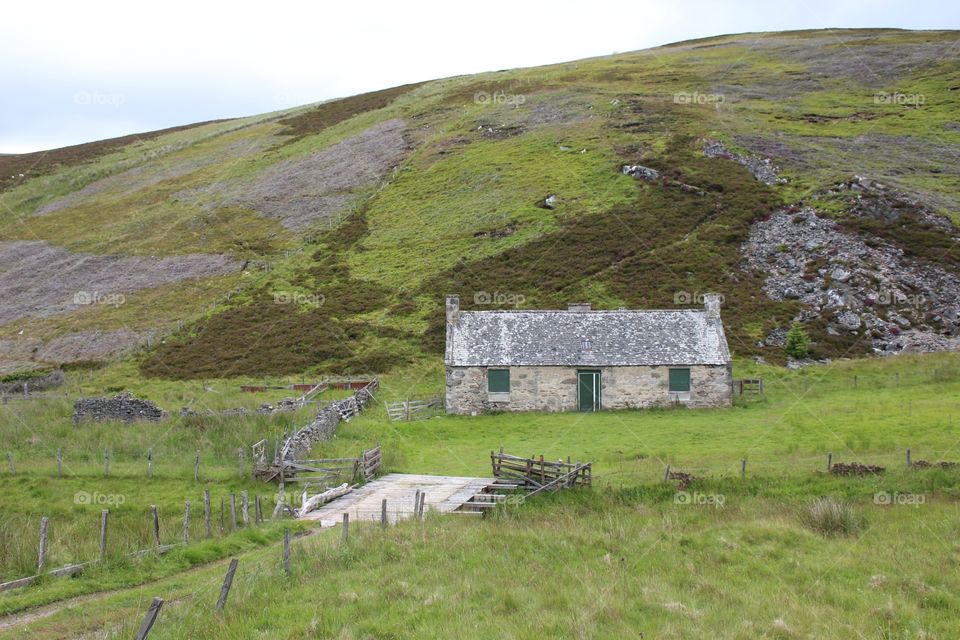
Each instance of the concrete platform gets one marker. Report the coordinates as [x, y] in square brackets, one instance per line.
[443, 494]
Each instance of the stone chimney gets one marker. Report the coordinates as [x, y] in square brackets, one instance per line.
[579, 306]
[453, 309]
[711, 304]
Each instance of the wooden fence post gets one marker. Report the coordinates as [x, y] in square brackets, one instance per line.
[106, 463]
[186, 522]
[829, 462]
[156, 524]
[233, 512]
[227, 581]
[257, 509]
[149, 619]
[666, 474]
[42, 553]
[10, 467]
[196, 468]
[221, 515]
[743, 469]
[909, 464]
[423, 503]
[150, 463]
[59, 462]
[281, 500]
[345, 533]
[242, 463]
[383, 513]
[206, 513]
[286, 551]
[245, 507]
[103, 533]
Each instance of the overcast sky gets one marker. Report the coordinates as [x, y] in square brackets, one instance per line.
[82, 70]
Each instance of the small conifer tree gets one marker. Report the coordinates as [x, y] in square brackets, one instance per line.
[798, 342]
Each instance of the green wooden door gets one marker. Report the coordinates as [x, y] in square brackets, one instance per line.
[588, 390]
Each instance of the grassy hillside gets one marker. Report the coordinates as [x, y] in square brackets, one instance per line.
[359, 228]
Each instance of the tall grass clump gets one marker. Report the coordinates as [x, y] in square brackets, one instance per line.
[831, 517]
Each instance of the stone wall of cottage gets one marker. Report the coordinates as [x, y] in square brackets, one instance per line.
[555, 388]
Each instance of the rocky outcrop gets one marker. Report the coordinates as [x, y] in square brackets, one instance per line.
[640, 172]
[121, 408]
[857, 283]
[762, 169]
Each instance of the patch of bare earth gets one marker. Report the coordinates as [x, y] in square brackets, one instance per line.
[132, 180]
[38, 279]
[301, 191]
[15, 168]
[90, 346]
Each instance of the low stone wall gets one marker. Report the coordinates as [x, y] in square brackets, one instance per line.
[266, 409]
[320, 429]
[120, 408]
[325, 424]
[38, 383]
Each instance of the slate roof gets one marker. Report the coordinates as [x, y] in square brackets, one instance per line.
[586, 338]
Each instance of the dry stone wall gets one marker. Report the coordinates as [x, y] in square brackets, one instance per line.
[325, 424]
[120, 408]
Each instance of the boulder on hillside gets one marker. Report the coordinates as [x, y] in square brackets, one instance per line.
[640, 172]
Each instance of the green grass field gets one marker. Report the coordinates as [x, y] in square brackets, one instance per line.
[600, 564]
[627, 555]
[869, 411]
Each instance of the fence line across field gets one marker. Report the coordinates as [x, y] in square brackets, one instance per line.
[106, 526]
[539, 473]
[367, 464]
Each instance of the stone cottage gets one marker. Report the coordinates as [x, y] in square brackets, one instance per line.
[585, 360]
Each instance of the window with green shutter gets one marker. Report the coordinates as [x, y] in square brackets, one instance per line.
[679, 380]
[498, 380]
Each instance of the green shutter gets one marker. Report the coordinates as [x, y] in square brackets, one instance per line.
[498, 380]
[679, 380]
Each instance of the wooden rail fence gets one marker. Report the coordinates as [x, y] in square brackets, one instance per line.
[413, 409]
[369, 462]
[749, 386]
[537, 473]
[322, 471]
